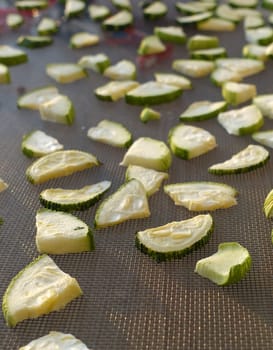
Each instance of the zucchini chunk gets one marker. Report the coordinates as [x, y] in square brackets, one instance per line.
[79, 199]
[115, 90]
[202, 195]
[216, 24]
[83, 39]
[34, 41]
[65, 72]
[155, 10]
[245, 67]
[151, 45]
[4, 74]
[250, 158]
[128, 202]
[228, 265]
[264, 137]
[237, 93]
[173, 79]
[255, 51]
[98, 63]
[33, 98]
[11, 56]
[148, 153]
[222, 75]
[58, 232]
[59, 109]
[194, 18]
[268, 205]
[118, 21]
[202, 110]
[98, 12]
[40, 288]
[74, 8]
[202, 42]
[243, 3]
[37, 144]
[265, 104]
[175, 239]
[47, 26]
[253, 21]
[173, 34]
[262, 35]
[123, 70]
[58, 164]
[209, 54]
[193, 68]
[14, 20]
[122, 4]
[188, 141]
[148, 114]
[228, 13]
[31, 4]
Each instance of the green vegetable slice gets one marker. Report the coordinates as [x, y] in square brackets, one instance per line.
[245, 67]
[98, 12]
[255, 51]
[122, 4]
[193, 67]
[128, 202]
[201, 42]
[83, 39]
[268, 4]
[74, 8]
[228, 265]
[148, 153]
[264, 137]
[265, 104]
[217, 25]
[194, 19]
[226, 12]
[111, 133]
[60, 163]
[209, 54]
[148, 114]
[14, 20]
[171, 34]
[150, 45]
[47, 26]
[173, 79]
[222, 75]
[11, 56]
[40, 288]
[97, 63]
[115, 90]
[65, 72]
[268, 205]
[34, 41]
[202, 110]
[31, 4]
[59, 109]
[123, 70]
[118, 21]
[243, 3]
[58, 232]
[78, 199]
[261, 35]
[175, 239]
[194, 7]
[33, 98]
[202, 195]
[253, 21]
[237, 93]
[37, 143]
[4, 74]
[250, 158]
[155, 10]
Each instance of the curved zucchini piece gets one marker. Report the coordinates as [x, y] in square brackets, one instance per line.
[65, 72]
[59, 109]
[228, 13]
[175, 239]
[148, 153]
[216, 25]
[202, 195]
[151, 45]
[193, 68]
[4, 74]
[245, 67]
[209, 54]
[202, 110]
[262, 35]
[127, 203]
[56, 340]
[34, 41]
[11, 56]
[31, 4]
[155, 10]
[195, 7]
[79, 199]
[151, 93]
[173, 34]
[123, 70]
[255, 51]
[83, 39]
[267, 4]
[58, 232]
[47, 26]
[111, 133]
[202, 42]
[37, 144]
[222, 75]
[33, 98]
[228, 265]
[265, 104]
[40, 288]
[14, 20]
[250, 158]
[122, 4]
[148, 114]
[188, 141]
[118, 21]
[74, 8]
[253, 21]
[237, 93]
[268, 205]
[98, 12]
[58, 164]
[264, 137]
[173, 79]
[97, 63]
[194, 19]
[243, 3]
[115, 90]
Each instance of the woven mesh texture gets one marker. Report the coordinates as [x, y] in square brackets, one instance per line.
[129, 301]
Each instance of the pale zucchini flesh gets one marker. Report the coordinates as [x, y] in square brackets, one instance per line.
[59, 109]
[202, 110]
[115, 90]
[74, 8]
[264, 137]
[173, 79]
[11, 56]
[155, 10]
[33, 98]
[268, 205]
[118, 21]
[123, 70]
[97, 63]
[83, 39]
[4, 74]
[265, 104]
[34, 41]
[148, 114]
[173, 34]
[193, 67]
[65, 72]
[151, 45]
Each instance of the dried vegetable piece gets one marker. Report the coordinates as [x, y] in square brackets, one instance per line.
[202, 110]
[118, 21]
[123, 70]
[193, 68]
[4, 74]
[65, 72]
[83, 39]
[47, 26]
[171, 34]
[11, 56]
[97, 63]
[14, 20]
[34, 41]
[115, 90]
[33, 98]
[59, 109]
[237, 93]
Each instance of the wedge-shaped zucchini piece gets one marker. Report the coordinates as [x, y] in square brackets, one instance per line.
[55, 340]
[74, 8]
[148, 114]
[193, 68]
[123, 70]
[202, 42]
[241, 121]
[148, 153]
[268, 4]
[209, 54]
[202, 110]
[194, 19]
[11, 56]
[173, 34]
[58, 232]
[173, 79]
[228, 13]
[111, 133]
[152, 92]
[14, 20]
[265, 104]
[122, 4]
[4, 74]
[245, 67]
[175, 239]
[255, 51]
[37, 143]
[188, 141]
[128, 202]
[228, 265]
[192, 7]
[97, 63]
[65, 72]
[98, 12]
[118, 21]
[3, 185]
[33, 98]
[150, 178]
[78, 199]
[268, 205]
[40, 288]
[83, 39]
[115, 90]
[216, 24]
[202, 195]
[34, 41]
[58, 164]
[222, 75]
[261, 35]
[237, 93]
[243, 3]
[155, 10]
[151, 45]
[253, 21]
[47, 26]
[250, 158]
[31, 4]
[264, 137]
[59, 109]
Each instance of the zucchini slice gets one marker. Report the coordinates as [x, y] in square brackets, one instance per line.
[14, 20]
[193, 19]
[111, 133]
[4, 74]
[173, 79]
[40, 288]
[148, 114]
[74, 8]
[209, 54]
[262, 35]
[148, 153]
[202, 42]
[59, 163]
[255, 51]
[47, 26]
[245, 67]
[175, 239]
[122, 4]
[228, 265]
[11, 56]
[194, 7]
[59, 109]
[202, 195]
[268, 205]
[53, 340]
[265, 104]
[123, 70]
[118, 21]
[115, 90]
[34, 41]
[97, 63]
[237, 93]
[128, 202]
[193, 68]
[58, 232]
[243, 3]
[250, 158]
[228, 13]
[253, 21]
[202, 110]
[65, 72]
[33, 98]
[151, 45]
[37, 144]
[222, 75]
[171, 34]
[98, 12]
[31, 4]
[155, 10]
[79, 199]
[264, 137]
[216, 25]
[83, 39]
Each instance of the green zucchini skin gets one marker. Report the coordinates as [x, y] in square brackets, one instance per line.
[26, 41]
[236, 273]
[152, 100]
[14, 60]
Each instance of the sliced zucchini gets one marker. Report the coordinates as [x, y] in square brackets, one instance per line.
[194, 7]
[37, 144]
[11, 56]
[202, 42]
[222, 75]
[151, 93]
[253, 22]
[265, 104]
[226, 12]
[123, 70]
[173, 79]
[228, 265]
[268, 205]
[245, 67]
[58, 232]
[34, 41]
[148, 153]
[74, 8]
[267, 4]
[33, 98]
[188, 141]
[111, 133]
[171, 34]
[47, 26]
[122, 4]
[217, 25]
[193, 68]
[4, 74]
[202, 110]
[202, 195]
[148, 114]
[83, 39]
[59, 109]
[255, 51]
[241, 121]
[65, 72]
[3, 186]
[98, 12]
[209, 54]
[31, 4]
[55, 340]
[118, 21]
[79, 199]
[194, 19]
[175, 239]
[250, 158]
[151, 45]
[128, 202]
[264, 137]
[40, 288]
[155, 10]
[261, 35]
[150, 178]
[243, 3]
[237, 93]
[58, 164]
[97, 63]
[115, 90]
[14, 20]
